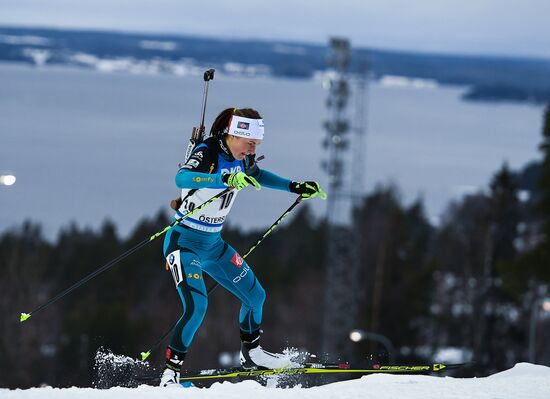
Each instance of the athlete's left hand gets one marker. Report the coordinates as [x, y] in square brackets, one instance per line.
[308, 189]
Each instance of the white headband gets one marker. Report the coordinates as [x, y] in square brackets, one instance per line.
[245, 127]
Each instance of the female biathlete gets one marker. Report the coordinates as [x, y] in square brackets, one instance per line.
[226, 159]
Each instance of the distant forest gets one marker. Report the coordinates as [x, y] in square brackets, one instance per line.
[488, 78]
[473, 283]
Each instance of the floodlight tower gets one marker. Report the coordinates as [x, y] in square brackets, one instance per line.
[341, 264]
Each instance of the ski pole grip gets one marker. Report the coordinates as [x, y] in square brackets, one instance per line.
[209, 75]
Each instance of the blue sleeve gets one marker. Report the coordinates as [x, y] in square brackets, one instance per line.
[188, 179]
[271, 180]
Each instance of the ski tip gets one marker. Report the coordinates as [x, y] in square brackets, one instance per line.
[24, 316]
[145, 355]
[438, 367]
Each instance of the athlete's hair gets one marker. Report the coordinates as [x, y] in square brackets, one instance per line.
[221, 123]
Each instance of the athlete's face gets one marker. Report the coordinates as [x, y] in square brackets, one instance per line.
[241, 147]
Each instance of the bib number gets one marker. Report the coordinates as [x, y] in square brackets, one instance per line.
[226, 200]
[188, 205]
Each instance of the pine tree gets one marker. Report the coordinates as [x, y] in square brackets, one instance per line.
[544, 184]
[531, 268]
[500, 247]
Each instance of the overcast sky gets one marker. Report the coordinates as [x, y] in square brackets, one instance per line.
[492, 27]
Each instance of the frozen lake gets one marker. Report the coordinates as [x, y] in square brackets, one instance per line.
[86, 146]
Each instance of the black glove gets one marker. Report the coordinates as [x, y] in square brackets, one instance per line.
[307, 189]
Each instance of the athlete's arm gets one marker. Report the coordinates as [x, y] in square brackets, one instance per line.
[271, 180]
[188, 179]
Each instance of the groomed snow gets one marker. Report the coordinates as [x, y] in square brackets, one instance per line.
[522, 381]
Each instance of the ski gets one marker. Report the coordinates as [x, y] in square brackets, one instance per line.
[319, 368]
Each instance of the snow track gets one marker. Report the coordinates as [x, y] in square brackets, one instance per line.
[522, 381]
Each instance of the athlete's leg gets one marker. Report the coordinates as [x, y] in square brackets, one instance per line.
[232, 272]
[185, 266]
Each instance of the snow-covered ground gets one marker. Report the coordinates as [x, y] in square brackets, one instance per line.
[522, 381]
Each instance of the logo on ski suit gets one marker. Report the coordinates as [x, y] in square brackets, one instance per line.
[245, 271]
[237, 260]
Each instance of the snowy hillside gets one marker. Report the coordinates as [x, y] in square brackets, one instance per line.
[523, 381]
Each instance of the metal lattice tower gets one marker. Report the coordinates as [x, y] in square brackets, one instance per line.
[341, 265]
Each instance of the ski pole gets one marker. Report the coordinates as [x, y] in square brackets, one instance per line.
[111, 263]
[145, 355]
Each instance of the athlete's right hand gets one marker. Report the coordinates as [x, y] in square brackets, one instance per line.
[240, 180]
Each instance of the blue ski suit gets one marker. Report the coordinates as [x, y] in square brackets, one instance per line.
[195, 245]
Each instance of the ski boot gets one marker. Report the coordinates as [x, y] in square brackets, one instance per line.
[254, 357]
[171, 374]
